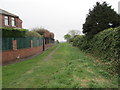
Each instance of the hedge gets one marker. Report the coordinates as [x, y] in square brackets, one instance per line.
[32, 34]
[16, 32]
[12, 32]
[105, 45]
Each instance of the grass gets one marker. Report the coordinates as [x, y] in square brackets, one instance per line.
[68, 68]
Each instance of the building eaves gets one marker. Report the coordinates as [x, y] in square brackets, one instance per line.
[3, 12]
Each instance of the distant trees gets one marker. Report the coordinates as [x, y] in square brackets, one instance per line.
[71, 35]
[74, 32]
[67, 37]
[101, 17]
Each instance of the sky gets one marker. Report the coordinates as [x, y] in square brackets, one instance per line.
[58, 16]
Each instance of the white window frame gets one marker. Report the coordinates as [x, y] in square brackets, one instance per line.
[12, 21]
[6, 20]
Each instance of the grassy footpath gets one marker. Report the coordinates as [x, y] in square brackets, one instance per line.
[68, 68]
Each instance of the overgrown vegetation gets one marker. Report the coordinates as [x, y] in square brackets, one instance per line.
[12, 32]
[16, 32]
[104, 45]
[32, 34]
[44, 32]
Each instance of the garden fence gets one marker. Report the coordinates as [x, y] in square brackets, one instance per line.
[22, 42]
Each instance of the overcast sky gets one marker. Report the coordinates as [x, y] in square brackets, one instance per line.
[58, 16]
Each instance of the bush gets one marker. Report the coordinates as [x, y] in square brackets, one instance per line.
[32, 34]
[105, 44]
[12, 32]
[82, 42]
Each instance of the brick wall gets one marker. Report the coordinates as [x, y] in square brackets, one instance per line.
[18, 22]
[17, 54]
[48, 46]
[1, 20]
[13, 55]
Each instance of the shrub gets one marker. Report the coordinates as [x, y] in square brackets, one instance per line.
[105, 44]
[42, 31]
[12, 32]
[32, 34]
[82, 42]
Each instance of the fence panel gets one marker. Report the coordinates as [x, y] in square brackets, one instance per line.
[7, 43]
[37, 41]
[23, 42]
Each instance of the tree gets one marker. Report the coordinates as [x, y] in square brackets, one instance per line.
[74, 32]
[43, 32]
[67, 37]
[100, 18]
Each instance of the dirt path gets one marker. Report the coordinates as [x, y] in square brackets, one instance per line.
[50, 55]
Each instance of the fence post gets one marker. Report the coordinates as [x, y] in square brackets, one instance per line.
[43, 44]
[14, 45]
[31, 43]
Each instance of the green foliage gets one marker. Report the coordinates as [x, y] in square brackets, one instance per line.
[74, 33]
[12, 29]
[16, 32]
[71, 35]
[76, 40]
[82, 42]
[67, 37]
[101, 17]
[105, 45]
[32, 34]
[12, 32]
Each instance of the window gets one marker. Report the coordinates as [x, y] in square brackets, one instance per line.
[13, 21]
[6, 20]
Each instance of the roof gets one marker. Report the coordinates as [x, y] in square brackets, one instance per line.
[7, 13]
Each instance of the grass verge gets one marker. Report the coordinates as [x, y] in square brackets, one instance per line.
[68, 68]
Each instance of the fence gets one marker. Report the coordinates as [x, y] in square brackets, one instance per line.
[7, 43]
[22, 42]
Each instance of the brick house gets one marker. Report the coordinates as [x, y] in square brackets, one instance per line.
[9, 20]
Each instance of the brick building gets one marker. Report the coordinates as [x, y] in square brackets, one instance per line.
[9, 20]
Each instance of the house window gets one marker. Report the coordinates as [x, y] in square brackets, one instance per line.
[6, 20]
[13, 21]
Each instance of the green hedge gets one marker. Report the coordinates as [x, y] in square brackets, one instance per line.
[15, 32]
[105, 45]
[32, 34]
[12, 32]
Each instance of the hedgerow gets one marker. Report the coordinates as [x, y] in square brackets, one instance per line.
[12, 32]
[16, 32]
[105, 44]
